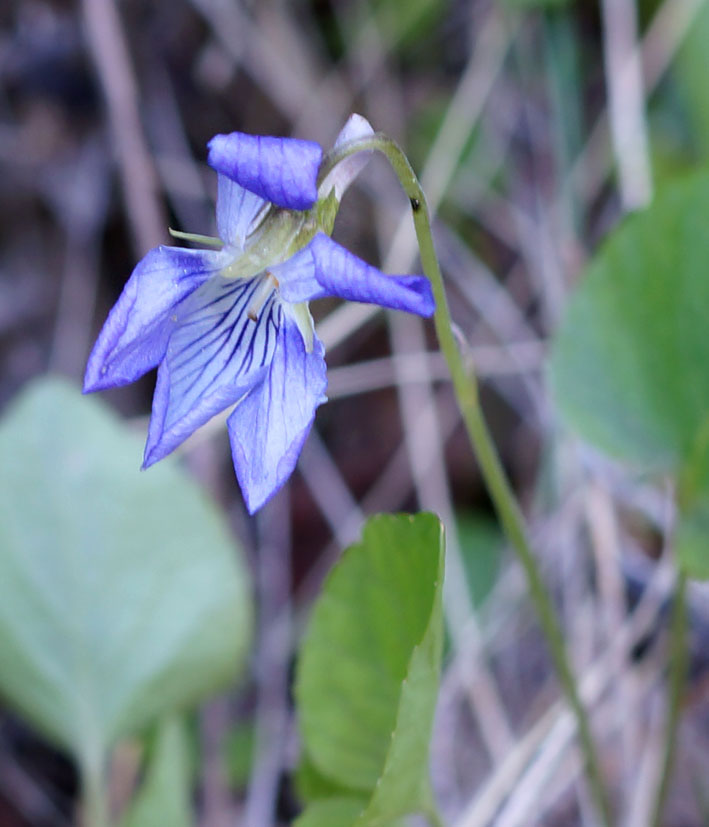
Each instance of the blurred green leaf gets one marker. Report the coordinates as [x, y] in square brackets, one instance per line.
[165, 794]
[331, 812]
[481, 545]
[629, 364]
[122, 595]
[311, 784]
[369, 666]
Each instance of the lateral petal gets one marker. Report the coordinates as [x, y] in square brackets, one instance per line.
[324, 268]
[215, 355]
[236, 210]
[281, 170]
[135, 334]
[268, 428]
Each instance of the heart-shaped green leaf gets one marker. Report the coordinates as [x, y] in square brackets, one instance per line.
[629, 365]
[122, 595]
[368, 672]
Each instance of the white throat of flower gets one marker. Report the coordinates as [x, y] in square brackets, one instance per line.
[299, 313]
[268, 284]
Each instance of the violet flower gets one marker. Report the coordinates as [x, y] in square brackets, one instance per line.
[231, 325]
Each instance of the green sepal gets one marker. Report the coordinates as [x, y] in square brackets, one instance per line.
[196, 238]
[326, 212]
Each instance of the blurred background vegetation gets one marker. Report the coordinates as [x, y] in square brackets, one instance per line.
[534, 127]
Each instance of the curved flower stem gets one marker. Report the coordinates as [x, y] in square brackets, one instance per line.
[466, 390]
[679, 657]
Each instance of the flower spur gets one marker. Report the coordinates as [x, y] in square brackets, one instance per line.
[231, 326]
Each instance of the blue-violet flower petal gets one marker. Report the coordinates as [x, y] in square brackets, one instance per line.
[216, 354]
[135, 335]
[325, 268]
[231, 327]
[236, 210]
[281, 170]
[268, 428]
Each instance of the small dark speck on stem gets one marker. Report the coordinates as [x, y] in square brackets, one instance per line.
[415, 204]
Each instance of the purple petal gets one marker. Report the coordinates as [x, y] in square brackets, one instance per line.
[324, 268]
[267, 429]
[134, 337]
[346, 171]
[281, 170]
[236, 210]
[216, 354]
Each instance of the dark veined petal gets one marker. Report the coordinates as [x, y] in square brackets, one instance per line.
[324, 268]
[236, 210]
[281, 170]
[268, 428]
[215, 355]
[134, 337]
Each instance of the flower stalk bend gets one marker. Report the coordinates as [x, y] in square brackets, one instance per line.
[465, 385]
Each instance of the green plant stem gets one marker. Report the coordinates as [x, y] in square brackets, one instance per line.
[94, 803]
[466, 390]
[679, 658]
[434, 818]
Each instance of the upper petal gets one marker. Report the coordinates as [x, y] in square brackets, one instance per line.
[134, 336]
[236, 210]
[324, 268]
[281, 170]
[267, 429]
[347, 170]
[216, 354]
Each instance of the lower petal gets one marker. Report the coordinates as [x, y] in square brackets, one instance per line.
[268, 428]
[215, 355]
